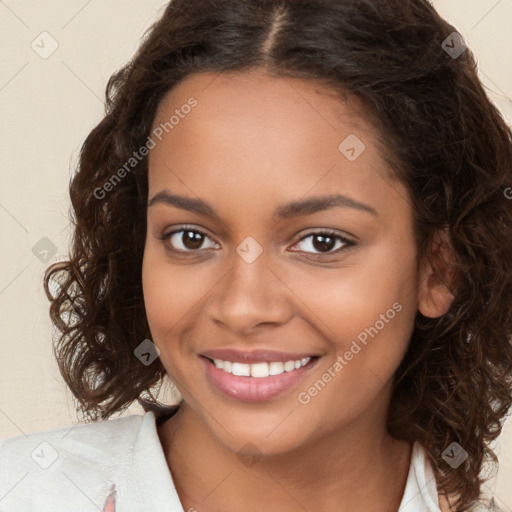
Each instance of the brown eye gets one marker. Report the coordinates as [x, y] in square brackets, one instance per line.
[324, 242]
[192, 239]
[185, 240]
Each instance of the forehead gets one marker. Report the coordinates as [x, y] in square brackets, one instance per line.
[270, 136]
[229, 95]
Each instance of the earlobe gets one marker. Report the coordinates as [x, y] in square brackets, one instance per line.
[437, 277]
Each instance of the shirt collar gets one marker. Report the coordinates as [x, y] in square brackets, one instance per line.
[420, 493]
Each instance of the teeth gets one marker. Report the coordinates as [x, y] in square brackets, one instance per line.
[241, 369]
[275, 368]
[260, 370]
[289, 366]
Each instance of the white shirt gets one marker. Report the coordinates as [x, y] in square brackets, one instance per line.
[78, 467]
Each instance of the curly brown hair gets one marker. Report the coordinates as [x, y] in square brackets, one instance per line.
[441, 135]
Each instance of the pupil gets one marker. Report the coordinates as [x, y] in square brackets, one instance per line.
[192, 240]
[321, 243]
[326, 243]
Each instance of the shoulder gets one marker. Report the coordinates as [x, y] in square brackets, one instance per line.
[85, 439]
[423, 468]
[484, 504]
[38, 469]
[487, 505]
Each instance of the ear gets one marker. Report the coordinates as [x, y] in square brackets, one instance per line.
[437, 277]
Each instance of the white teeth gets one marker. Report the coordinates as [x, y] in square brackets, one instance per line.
[275, 368]
[260, 370]
[289, 366]
[241, 369]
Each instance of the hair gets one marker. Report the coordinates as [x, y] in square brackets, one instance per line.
[444, 140]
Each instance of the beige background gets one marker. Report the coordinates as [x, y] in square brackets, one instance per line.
[47, 107]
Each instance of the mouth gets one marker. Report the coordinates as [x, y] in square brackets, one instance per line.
[256, 381]
[259, 370]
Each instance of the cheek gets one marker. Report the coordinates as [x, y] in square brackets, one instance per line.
[172, 296]
[367, 311]
[163, 309]
[372, 329]
[165, 298]
[349, 299]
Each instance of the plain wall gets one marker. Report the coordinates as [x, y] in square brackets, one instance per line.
[48, 106]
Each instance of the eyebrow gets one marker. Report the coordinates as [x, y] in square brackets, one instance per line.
[285, 211]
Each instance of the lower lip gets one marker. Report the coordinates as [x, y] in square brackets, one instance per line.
[253, 389]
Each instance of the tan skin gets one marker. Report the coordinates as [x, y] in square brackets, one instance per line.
[253, 143]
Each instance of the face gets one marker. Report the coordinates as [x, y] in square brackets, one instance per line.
[275, 234]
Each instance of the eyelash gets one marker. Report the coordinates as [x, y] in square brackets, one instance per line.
[348, 244]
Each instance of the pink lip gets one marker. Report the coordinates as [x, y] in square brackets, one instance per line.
[253, 356]
[252, 389]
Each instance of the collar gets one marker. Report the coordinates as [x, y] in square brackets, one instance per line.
[420, 493]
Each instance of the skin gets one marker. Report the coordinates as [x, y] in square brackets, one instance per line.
[253, 143]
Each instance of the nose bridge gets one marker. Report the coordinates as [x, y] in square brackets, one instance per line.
[250, 293]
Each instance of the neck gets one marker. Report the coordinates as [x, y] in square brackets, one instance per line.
[356, 469]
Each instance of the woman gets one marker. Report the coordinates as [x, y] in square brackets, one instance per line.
[296, 211]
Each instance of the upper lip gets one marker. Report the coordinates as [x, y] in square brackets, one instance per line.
[253, 356]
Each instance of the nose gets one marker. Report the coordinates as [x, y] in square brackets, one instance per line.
[250, 296]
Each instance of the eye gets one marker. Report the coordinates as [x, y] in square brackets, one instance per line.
[324, 242]
[190, 240]
[185, 240]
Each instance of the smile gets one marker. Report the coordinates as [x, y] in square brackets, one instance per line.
[260, 370]
[256, 381]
